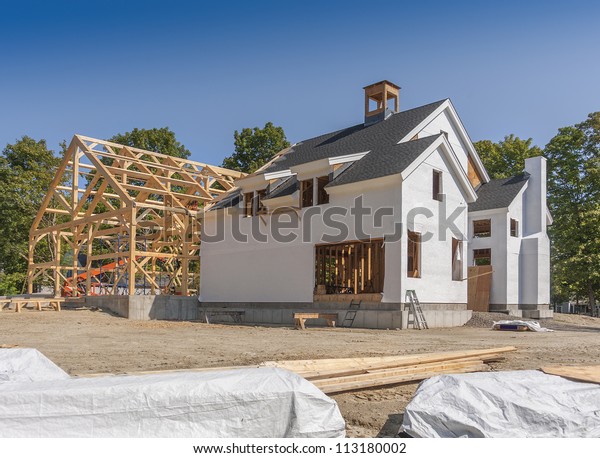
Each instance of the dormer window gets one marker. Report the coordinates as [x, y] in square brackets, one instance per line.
[322, 196]
[248, 204]
[306, 193]
[260, 206]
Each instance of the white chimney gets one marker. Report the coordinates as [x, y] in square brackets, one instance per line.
[534, 211]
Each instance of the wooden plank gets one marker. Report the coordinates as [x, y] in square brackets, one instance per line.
[396, 371]
[394, 380]
[384, 361]
[589, 374]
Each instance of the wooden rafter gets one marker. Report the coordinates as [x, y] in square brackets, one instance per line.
[125, 208]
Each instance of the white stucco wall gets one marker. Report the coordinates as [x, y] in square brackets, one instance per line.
[436, 284]
[521, 265]
[498, 244]
[443, 122]
[272, 271]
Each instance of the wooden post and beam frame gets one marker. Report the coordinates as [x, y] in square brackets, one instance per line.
[129, 210]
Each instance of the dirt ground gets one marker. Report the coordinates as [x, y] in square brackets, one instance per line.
[84, 341]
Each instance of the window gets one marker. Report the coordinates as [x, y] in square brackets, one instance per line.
[322, 196]
[306, 196]
[482, 228]
[514, 228]
[437, 185]
[248, 201]
[456, 259]
[482, 257]
[413, 267]
[260, 206]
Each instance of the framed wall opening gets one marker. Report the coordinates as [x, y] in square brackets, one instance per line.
[350, 267]
[482, 228]
[482, 257]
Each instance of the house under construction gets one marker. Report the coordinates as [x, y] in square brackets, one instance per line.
[121, 221]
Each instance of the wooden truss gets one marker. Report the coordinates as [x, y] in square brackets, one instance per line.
[117, 217]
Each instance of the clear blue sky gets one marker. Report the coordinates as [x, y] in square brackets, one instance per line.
[207, 68]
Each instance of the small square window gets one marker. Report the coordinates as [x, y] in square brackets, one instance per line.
[482, 228]
[482, 257]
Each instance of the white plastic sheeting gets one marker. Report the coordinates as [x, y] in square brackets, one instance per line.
[532, 325]
[503, 404]
[27, 365]
[263, 402]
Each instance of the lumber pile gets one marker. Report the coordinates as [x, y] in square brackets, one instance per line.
[347, 374]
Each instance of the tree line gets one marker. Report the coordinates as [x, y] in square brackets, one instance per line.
[27, 169]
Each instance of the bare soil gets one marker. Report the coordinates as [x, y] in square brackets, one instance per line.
[85, 341]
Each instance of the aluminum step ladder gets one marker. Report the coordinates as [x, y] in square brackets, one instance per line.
[351, 314]
[417, 320]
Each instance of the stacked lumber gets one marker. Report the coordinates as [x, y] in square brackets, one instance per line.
[346, 374]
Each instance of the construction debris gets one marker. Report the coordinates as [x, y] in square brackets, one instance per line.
[519, 325]
[503, 404]
[339, 375]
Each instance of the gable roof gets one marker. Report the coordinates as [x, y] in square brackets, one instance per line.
[498, 193]
[384, 161]
[355, 139]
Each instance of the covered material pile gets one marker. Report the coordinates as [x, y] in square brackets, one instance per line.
[27, 365]
[504, 404]
[346, 374]
[251, 402]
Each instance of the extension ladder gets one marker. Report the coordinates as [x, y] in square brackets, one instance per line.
[418, 320]
[351, 314]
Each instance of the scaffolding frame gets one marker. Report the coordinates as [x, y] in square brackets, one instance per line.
[119, 204]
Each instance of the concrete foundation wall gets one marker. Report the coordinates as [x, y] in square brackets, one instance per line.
[377, 315]
[160, 307]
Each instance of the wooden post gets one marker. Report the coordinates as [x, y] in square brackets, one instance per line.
[57, 279]
[185, 252]
[131, 270]
[88, 261]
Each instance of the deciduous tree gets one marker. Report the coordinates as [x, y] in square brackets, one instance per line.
[255, 147]
[507, 157]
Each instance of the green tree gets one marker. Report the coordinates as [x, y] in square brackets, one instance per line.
[507, 157]
[27, 168]
[159, 140]
[255, 147]
[573, 197]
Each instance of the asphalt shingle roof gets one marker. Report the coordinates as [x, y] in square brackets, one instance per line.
[287, 188]
[384, 161]
[498, 193]
[355, 139]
